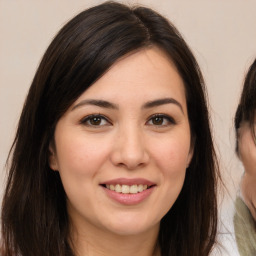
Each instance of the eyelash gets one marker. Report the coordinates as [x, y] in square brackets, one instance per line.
[88, 120]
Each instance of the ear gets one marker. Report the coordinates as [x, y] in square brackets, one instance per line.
[191, 152]
[52, 159]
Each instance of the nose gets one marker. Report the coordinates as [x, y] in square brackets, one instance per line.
[129, 149]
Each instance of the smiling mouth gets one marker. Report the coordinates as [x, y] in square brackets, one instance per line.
[126, 189]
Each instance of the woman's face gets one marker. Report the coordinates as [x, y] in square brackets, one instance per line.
[123, 147]
[247, 154]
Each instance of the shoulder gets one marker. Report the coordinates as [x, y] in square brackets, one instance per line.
[245, 229]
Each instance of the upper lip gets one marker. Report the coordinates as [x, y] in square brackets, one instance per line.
[127, 181]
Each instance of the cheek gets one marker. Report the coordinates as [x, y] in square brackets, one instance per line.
[80, 156]
[80, 160]
[247, 153]
[171, 160]
[172, 155]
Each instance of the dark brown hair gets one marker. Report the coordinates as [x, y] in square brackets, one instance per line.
[246, 109]
[34, 215]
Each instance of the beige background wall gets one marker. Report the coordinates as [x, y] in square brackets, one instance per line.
[222, 34]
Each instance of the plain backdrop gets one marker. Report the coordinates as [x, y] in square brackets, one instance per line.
[221, 34]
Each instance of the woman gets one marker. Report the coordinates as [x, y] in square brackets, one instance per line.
[113, 152]
[245, 124]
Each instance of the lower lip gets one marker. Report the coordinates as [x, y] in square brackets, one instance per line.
[129, 199]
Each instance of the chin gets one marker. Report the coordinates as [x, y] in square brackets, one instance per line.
[131, 226]
[128, 230]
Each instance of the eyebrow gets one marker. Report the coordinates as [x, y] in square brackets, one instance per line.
[159, 102]
[99, 103]
[109, 105]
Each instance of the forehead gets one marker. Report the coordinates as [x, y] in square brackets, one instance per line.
[141, 75]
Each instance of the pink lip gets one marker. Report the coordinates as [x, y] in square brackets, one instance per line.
[129, 199]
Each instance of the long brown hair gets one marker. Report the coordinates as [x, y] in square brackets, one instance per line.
[34, 215]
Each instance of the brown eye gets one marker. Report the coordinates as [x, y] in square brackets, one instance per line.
[158, 120]
[161, 120]
[95, 120]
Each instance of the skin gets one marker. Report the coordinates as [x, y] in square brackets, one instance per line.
[247, 154]
[127, 141]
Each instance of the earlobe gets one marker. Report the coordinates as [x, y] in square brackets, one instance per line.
[190, 154]
[52, 158]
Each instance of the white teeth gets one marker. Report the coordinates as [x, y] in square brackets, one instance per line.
[118, 188]
[140, 188]
[126, 189]
[133, 189]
